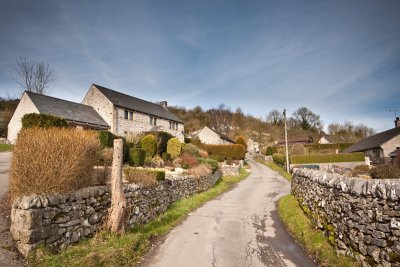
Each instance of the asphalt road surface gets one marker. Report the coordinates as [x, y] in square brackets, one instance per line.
[239, 228]
[5, 159]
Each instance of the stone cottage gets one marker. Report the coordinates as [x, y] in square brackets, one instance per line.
[127, 114]
[77, 115]
[210, 136]
[101, 109]
[379, 147]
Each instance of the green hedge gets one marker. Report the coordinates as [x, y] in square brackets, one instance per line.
[227, 151]
[271, 150]
[149, 145]
[136, 157]
[327, 158]
[42, 121]
[340, 147]
[212, 162]
[106, 139]
[279, 159]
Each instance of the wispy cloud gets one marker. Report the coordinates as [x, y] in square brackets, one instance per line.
[339, 58]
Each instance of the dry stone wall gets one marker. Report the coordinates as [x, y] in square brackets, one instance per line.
[59, 220]
[361, 217]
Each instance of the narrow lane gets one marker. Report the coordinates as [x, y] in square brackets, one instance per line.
[240, 228]
[5, 159]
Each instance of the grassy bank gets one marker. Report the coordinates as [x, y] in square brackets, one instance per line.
[107, 249]
[312, 239]
[6, 148]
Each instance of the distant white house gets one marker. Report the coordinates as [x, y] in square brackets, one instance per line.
[102, 109]
[324, 140]
[210, 136]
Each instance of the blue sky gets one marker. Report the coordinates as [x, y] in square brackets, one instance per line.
[341, 59]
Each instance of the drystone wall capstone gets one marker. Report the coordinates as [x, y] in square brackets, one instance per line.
[361, 217]
[59, 220]
[230, 170]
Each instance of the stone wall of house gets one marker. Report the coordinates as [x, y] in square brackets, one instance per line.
[361, 217]
[101, 105]
[141, 123]
[58, 220]
[25, 106]
[390, 145]
[208, 136]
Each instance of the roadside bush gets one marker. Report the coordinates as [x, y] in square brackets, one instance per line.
[190, 149]
[149, 145]
[166, 156]
[227, 151]
[385, 172]
[52, 160]
[202, 170]
[42, 121]
[217, 158]
[162, 139]
[203, 154]
[134, 139]
[136, 157]
[213, 163]
[106, 139]
[145, 177]
[174, 147]
[188, 161]
[157, 162]
[240, 140]
[196, 141]
[106, 157]
[327, 158]
[362, 169]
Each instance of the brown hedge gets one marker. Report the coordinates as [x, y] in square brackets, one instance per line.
[52, 160]
[228, 151]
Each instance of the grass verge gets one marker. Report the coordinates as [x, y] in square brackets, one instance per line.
[312, 239]
[6, 147]
[277, 168]
[106, 249]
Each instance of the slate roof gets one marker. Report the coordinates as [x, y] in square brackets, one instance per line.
[133, 103]
[68, 110]
[373, 141]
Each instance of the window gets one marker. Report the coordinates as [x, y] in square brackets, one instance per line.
[176, 126]
[151, 120]
[155, 121]
[126, 115]
[170, 124]
[131, 115]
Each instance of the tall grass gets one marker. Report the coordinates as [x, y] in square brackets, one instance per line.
[52, 160]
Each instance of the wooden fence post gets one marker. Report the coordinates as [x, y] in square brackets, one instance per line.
[116, 219]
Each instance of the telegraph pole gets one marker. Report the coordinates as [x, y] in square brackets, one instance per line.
[286, 143]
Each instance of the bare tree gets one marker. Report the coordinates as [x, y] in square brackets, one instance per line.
[275, 117]
[34, 76]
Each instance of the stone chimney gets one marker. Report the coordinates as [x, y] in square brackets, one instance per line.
[164, 104]
[397, 122]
